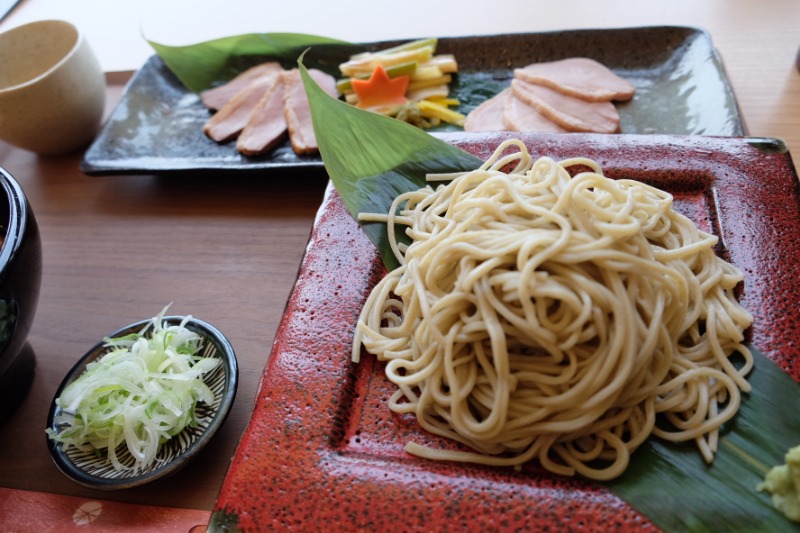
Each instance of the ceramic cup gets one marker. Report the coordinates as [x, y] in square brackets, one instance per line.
[52, 89]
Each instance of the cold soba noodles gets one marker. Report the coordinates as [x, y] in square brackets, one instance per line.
[541, 316]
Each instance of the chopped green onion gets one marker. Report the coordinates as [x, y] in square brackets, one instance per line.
[142, 392]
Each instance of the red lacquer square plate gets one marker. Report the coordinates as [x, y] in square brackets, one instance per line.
[322, 450]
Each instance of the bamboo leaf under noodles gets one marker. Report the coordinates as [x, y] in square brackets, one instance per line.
[371, 158]
[671, 485]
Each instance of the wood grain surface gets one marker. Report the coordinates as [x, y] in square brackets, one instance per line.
[226, 248]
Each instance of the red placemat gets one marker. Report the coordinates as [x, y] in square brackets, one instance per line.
[24, 511]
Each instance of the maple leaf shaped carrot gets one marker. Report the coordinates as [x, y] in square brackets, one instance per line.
[380, 90]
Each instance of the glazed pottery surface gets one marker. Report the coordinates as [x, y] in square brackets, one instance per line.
[52, 89]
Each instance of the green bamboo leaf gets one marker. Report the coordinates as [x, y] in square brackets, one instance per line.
[202, 65]
[672, 485]
[371, 158]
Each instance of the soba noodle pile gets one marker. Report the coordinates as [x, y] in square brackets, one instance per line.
[538, 316]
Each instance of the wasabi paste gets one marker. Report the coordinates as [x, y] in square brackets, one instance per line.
[783, 482]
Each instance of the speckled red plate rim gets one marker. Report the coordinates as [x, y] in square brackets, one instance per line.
[319, 453]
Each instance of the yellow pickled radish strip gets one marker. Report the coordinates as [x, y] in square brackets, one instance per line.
[448, 102]
[445, 62]
[426, 93]
[432, 82]
[433, 110]
[426, 73]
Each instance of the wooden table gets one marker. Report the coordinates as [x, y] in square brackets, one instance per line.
[116, 250]
[226, 248]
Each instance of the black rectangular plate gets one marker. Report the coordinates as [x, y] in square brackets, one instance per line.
[682, 88]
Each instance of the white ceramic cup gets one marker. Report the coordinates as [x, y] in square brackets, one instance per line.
[52, 89]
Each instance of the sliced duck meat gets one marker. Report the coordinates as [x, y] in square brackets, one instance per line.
[297, 110]
[219, 96]
[488, 116]
[572, 114]
[520, 116]
[267, 124]
[580, 77]
[231, 119]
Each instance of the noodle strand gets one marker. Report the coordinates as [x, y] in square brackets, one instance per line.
[550, 313]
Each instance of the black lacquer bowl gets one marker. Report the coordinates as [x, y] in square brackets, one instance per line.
[20, 280]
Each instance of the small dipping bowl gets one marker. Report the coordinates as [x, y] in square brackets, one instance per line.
[20, 280]
[95, 471]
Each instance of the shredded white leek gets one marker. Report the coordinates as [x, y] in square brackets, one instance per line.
[142, 392]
